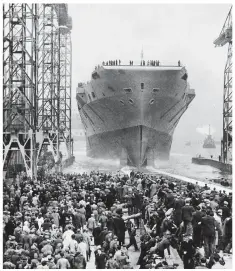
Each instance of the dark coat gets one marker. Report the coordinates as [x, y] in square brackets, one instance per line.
[170, 201]
[187, 213]
[10, 227]
[96, 234]
[225, 212]
[197, 217]
[177, 214]
[208, 226]
[100, 260]
[77, 220]
[119, 228]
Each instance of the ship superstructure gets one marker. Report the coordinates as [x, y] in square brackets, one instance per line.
[209, 142]
[130, 112]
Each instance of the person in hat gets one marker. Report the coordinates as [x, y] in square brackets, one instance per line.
[51, 264]
[67, 236]
[96, 234]
[196, 222]
[63, 263]
[103, 234]
[119, 226]
[177, 213]
[79, 261]
[187, 216]
[82, 247]
[225, 210]
[132, 235]
[208, 232]
[167, 223]
[87, 240]
[100, 259]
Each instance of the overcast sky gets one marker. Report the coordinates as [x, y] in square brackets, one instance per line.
[169, 33]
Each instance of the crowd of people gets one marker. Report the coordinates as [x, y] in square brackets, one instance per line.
[65, 221]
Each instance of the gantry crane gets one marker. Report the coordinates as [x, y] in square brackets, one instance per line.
[37, 74]
[226, 36]
[20, 85]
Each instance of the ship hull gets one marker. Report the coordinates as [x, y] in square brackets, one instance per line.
[137, 145]
[131, 113]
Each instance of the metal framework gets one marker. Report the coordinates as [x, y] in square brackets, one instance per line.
[224, 38]
[65, 88]
[48, 80]
[36, 82]
[20, 84]
[65, 79]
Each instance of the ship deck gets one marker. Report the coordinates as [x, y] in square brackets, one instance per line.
[141, 67]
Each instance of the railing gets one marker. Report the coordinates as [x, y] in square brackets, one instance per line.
[148, 63]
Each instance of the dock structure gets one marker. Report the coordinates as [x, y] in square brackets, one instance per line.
[226, 37]
[37, 62]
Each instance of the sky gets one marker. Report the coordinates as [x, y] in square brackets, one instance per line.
[168, 32]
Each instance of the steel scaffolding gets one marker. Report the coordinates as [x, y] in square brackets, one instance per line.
[65, 87]
[224, 38]
[20, 84]
[65, 84]
[227, 109]
[36, 82]
[48, 80]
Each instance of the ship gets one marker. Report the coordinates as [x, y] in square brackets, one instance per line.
[130, 112]
[209, 143]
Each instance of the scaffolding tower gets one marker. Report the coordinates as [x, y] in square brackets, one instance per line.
[65, 76]
[48, 80]
[36, 82]
[224, 38]
[20, 84]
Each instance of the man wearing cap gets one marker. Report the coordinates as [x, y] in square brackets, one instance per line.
[67, 236]
[103, 220]
[63, 263]
[208, 232]
[225, 211]
[100, 258]
[47, 248]
[132, 239]
[196, 222]
[96, 234]
[187, 216]
[119, 226]
[103, 234]
[73, 245]
[87, 240]
[79, 261]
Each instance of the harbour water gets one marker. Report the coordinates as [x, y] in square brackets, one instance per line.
[179, 162]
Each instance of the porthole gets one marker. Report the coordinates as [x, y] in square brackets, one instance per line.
[128, 90]
[156, 90]
[110, 88]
